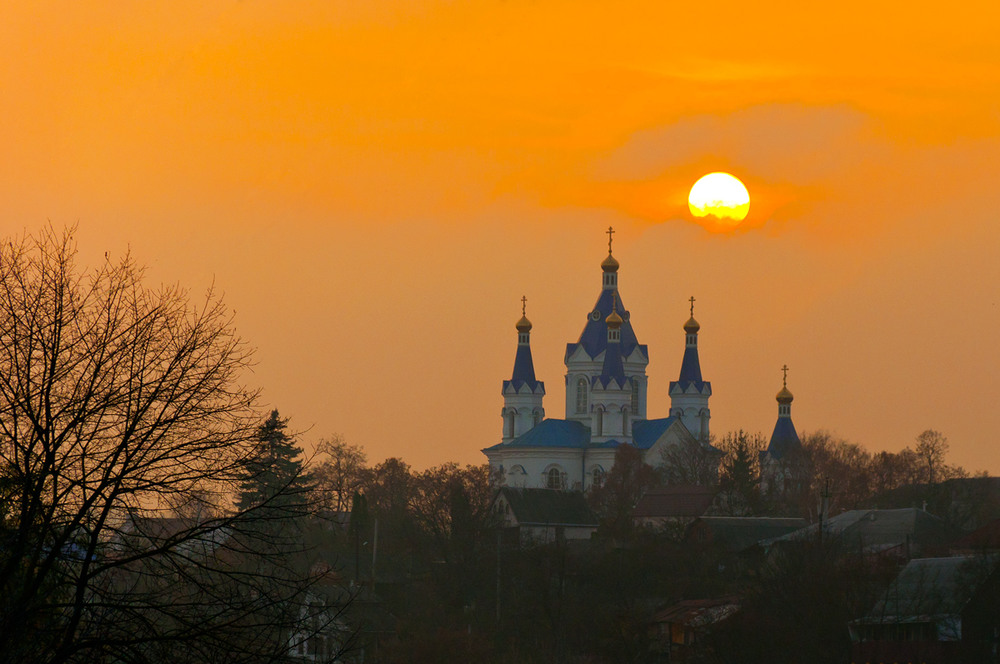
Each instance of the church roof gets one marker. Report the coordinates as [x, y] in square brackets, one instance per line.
[646, 432]
[594, 337]
[551, 433]
[690, 368]
[569, 433]
[524, 370]
[613, 369]
[784, 439]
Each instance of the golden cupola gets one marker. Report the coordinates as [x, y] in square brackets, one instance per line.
[784, 396]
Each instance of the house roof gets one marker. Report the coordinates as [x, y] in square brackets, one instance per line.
[698, 612]
[548, 507]
[737, 533]
[675, 501]
[986, 538]
[876, 529]
[928, 587]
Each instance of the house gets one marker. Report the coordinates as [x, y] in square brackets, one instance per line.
[905, 533]
[676, 632]
[217, 572]
[321, 633]
[738, 533]
[937, 611]
[673, 506]
[982, 540]
[541, 516]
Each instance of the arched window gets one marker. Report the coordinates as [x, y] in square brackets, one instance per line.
[597, 477]
[625, 421]
[635, 395]
[553, 479]
[600, 422]
[581, 396]
[508, 423]
[538, 417]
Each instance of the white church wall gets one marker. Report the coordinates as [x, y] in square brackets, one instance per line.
[537, 464]
[521, 412]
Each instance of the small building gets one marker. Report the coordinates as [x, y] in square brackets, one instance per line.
[676, 632]
[937, 611]
[980, 541]
[542, 516]
[738, 533]
[904, 533]
[673, 506]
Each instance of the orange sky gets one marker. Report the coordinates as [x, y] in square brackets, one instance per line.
[374, 185]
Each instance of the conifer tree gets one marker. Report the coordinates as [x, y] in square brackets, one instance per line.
[275, 479]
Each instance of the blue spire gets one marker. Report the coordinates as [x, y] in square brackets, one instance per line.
[614, 367]
[690, 365]
[524, 367]
[784, 439]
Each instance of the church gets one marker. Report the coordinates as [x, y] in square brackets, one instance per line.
[606, 390]
[606, 397]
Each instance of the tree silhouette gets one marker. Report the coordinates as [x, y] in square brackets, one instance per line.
[118, 404]
[273, 480]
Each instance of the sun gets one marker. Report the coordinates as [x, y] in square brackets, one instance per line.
[722, 196]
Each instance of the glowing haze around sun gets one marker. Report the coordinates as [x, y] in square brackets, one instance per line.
[720, 196]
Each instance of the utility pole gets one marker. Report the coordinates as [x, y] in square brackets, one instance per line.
[374, 554]
[824, 506]
[499, 538]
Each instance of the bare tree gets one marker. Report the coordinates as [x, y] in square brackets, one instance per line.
[932, 447]
[119, 404]
[624, 484]
[847, 466]
[691, 462]
[339, 474]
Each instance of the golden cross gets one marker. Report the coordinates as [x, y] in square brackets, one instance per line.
[524, 302]
[784, 376]
[692, 306]
[610, 232]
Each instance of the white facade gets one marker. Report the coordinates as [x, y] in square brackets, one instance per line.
[606, 397]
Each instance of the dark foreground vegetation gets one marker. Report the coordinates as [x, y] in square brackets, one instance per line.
[150, 512]
[463, 588]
